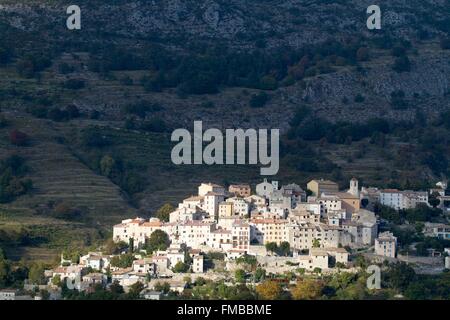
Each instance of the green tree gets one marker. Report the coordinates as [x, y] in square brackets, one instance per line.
[316, 243]
[135, 290]
[122, 261]
[433, 199]
[200, 281]
[180, 267]
[239, 275]
[112, 247]
[107, 164]
[317, 270]
[260, 274]
[56, 280]
[284, 248]
[249, 262]
[116, 289]
[36, 273]
[159, 240]
[163, 213]
[399, 275]
[271, 247]
[163, 287]
[5, 269]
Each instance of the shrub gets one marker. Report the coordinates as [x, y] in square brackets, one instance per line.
[3, 121]
[18, 138]
[74, 84]
[64, 68]
[362, 54]
[11, 184]
[359, 98]
[402, 64]
[29, 65]
[126, 81]
[154, 125]
[57, 115]
[259, 100]
[445, 43]
[180, 267]
[65, 211]
[398, 100]
[92, 138]
[159, 240]
[163, 213]
[72, 111]
[268, 83]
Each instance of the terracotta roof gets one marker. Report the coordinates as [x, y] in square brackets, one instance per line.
[390, 191]
[196, 223]
[239, 186]
[318, 252]
[120, 225]
[152, 224]
[211, 193]
[213, 185]
[194, 198]
[159, 258]
[222, 231]
[242, 224]
[269, 221]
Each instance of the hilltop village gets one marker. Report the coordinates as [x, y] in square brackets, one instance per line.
[221, 233]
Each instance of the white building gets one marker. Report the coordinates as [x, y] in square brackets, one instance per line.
[95, 260]
[240, 206]
[386, 244]
[145, 265]
[438, 230]
[151, 295]
[314, 207]
[269, 230]
[354, 189]
[256, 201]
[7, 294]
[194, 233]
[295, 191]
[265, 189]
[197, 264]
[220, 239]
[186, 212]
[280, 200]
[330, 203]
[317, 258]
[205, 188]
[241, 233]
[211, 203]
[402, 199]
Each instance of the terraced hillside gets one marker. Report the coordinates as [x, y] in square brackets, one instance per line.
[57, 174]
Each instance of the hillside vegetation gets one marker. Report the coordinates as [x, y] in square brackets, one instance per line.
[90, 112]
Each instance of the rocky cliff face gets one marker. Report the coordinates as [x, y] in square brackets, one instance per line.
[294, 23]
[290, 22]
